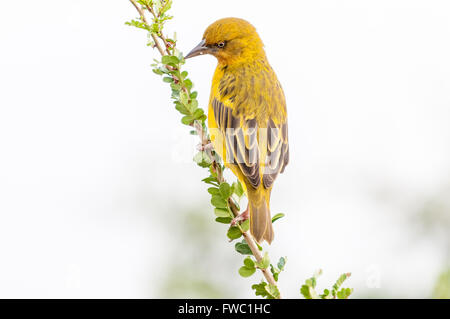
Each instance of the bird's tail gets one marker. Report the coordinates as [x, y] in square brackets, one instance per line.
[260, 219]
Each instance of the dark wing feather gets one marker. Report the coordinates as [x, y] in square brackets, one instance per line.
[277, 152]
[241, 141]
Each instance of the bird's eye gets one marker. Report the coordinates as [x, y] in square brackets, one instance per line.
[221, 44]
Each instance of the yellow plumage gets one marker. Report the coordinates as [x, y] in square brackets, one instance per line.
[247, 115]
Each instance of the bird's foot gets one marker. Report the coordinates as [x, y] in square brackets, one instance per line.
[242, 217]
[205, 147]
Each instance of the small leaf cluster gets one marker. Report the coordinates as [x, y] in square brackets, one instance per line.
[263, 289]
[159, 9]
[251, 265]
[266, 290]
[138, 24]
[169, 67]
[279, 268]
[243, 248]
[203, 159]
[309, 292]
[184, 98]
[221, 193]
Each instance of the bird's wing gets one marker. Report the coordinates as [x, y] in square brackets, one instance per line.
[277, 151]
[243, 142]
[241, 138]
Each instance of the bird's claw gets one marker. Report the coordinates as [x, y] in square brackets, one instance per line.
[205, 147]
[242, 217]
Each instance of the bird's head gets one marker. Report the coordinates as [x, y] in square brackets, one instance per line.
[230, 40]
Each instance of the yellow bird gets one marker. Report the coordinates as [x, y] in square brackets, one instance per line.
[247, 115]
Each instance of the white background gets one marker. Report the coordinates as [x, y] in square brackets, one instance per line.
[93, 156]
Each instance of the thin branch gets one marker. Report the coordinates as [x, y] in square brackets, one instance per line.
[163, 38]
[253, 247]
[143, 19]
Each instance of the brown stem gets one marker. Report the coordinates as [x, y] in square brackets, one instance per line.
[143, 19]
[253, 247]
[161, 36]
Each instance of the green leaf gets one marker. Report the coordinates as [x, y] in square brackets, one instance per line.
[260, 289]
[213, 191]
[190, 107]
[188, 84]
[164, 70]
[266, 291]
[157, 71]
[306, 292]
[224, 220]
[248, 262]
[234, 233]
[248, 269]
[311, 282]
[138, 24]
[174, 72]
[344, 293]
[341, 280]
[243, 248]
[326, 294]
[194, 105]
[264, 262]
[175, 94]
[246, 272]
[176, 87]
[198, 113]
[281, 263]
[221, 212]
[193, 95]
[187, 120]
[272, 291]
[225, 190]
[218, 202]
[202, 159]
[181, 108]
[237, 189]
[184, 98]
[245, 225]
[210, 180]
[277, 216]
[170, 60]
[275, 272]
[168, 79]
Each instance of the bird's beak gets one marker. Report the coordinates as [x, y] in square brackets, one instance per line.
[200, 49]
